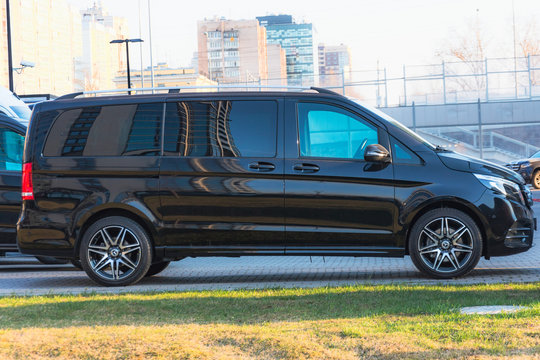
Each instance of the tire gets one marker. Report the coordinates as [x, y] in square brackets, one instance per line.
[443, 256]
[76, 263]
[157, 268]
[115, 251]
[49, 260]
[535, 181]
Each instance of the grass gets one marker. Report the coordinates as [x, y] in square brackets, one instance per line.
[371, 322]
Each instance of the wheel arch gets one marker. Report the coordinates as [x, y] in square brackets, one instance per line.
[453, 203]
[126, 211]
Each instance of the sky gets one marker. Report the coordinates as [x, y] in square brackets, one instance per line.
[388, 32]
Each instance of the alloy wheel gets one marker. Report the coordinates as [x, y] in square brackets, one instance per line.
[114, 252]
[445, 245]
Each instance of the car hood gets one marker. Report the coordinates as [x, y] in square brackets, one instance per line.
[470, 164]
[522, 161]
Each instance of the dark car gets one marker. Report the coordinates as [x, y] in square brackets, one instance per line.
[127, 184]
[529, 169]
[12, 134]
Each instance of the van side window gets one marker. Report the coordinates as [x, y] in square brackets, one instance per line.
[11, 150]
[331, 132]
[116, 130]
[221, 128]
[402, 155]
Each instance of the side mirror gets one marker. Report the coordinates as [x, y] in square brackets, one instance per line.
[377, 153]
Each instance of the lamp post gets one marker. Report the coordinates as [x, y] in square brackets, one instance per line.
[10, 61]
[127, 41]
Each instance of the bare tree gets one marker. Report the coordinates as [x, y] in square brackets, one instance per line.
[465, 54]
[529, 45]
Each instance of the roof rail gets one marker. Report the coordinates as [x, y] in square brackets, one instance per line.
[69, 96]
[324, 91]
[177, 89]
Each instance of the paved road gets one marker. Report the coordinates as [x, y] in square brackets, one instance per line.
[22, 275]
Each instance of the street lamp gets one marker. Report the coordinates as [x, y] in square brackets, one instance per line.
[127, 41]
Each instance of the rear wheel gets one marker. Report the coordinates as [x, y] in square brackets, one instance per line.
[116, 251]
[157, 268]
[445, 243]
[536, 179]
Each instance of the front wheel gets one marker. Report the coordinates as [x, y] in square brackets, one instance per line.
[536, 179]
[445, 243]
[115, 251]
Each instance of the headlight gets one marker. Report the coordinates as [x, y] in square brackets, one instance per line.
[508, 188]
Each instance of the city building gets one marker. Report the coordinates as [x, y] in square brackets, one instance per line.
[297, 41]
[100, 60]
[277, 65]
[334, 64]
[231, 51]
[69, 48]
[163, 77]
[46, 33]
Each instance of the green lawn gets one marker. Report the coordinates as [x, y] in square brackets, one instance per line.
[372, 322]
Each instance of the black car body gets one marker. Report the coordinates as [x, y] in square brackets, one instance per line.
[529, 169]
[243, 173]
[12, 134]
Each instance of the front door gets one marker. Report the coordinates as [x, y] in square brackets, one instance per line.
[11, 149]
[335, 201]
[221, 177]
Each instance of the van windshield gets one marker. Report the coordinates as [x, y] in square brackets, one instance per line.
[22, 112]
[395, 123]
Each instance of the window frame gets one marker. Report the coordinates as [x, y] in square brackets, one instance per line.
[276, 140]
[392, 140]
[61, 111]
[23, 135]
[381, 133]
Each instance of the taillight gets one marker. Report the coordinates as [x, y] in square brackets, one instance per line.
[27, 187]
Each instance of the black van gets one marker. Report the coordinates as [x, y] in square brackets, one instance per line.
[127, 184]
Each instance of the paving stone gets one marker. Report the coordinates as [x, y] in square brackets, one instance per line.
[26, 276]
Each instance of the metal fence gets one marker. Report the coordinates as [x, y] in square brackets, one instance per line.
[492, 79]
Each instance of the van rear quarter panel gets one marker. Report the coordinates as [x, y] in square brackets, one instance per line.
[69, 190]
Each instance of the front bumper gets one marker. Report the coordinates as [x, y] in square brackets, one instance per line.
[524, 170]
[509, 227]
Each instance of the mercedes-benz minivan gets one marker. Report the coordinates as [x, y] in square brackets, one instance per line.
[128, 184]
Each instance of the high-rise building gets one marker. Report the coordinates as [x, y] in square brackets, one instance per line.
[334, 59]
[47, 33]
[70, 48]
[232, 50]
[101, 60]
[4, 80]
[297, 41]
[277, 65]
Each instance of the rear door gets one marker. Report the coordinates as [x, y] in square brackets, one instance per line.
[11, 149]
[335, 201]
[221, 176]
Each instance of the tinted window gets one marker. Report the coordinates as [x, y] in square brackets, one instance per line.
[116, 130]
[329, 131]
[221, 128]
[11, 150]
[402, 154]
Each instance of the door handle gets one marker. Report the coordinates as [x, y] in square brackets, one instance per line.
[262, 166]
[306, 168]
